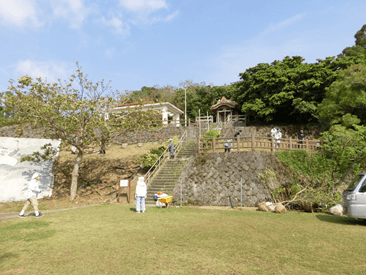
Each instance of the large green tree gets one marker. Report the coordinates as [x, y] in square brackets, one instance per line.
[359, 49]
[72, 111]
[200, 98]
[345, 99]
[288, 90]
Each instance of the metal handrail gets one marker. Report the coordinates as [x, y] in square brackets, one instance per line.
[219, 126]
[180, 144]
[156, 166]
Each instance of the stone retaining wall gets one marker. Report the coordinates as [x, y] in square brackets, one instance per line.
[26, 131]
[212, 178]
[145, 136]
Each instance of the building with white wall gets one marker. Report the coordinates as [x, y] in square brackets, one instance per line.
[167, 110]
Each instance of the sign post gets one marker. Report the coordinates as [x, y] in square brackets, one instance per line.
[124, 183]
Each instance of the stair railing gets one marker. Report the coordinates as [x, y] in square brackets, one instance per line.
[165, 155]
[181, 140]
[219, 126]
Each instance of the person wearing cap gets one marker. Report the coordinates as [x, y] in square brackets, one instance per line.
[33, 191]
[140, 195]
[171, 148]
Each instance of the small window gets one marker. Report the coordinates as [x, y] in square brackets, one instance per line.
[354, 182]
[363, 187]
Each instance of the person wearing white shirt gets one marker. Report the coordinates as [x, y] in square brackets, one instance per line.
[33, 191]
[278, 136]
[140, 195]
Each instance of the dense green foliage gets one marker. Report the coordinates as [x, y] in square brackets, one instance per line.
[322, 173]
[288, 90]
[345, 99]
[359, 49]
[211, 134]
[311, 173]
[149, 159]
[7, 116]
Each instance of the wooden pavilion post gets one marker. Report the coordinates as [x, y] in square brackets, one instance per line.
[213, 144]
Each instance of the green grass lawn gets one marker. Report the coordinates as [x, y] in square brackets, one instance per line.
[113, 239]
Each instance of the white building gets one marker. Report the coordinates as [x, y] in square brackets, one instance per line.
[167, 110]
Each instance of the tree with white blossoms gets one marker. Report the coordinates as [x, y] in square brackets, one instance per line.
[74, 115]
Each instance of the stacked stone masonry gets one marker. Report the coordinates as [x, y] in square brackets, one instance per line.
[212, 178]
[26, 131]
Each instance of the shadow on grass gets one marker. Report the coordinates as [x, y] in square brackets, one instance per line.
[340, 220]
[5, 256]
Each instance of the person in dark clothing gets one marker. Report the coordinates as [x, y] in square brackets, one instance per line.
[301, 137]
[171, 149]
[237, 134]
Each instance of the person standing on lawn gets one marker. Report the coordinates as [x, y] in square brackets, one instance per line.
[140, 195]
[33, 191]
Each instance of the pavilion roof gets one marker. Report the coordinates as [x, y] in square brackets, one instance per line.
[223, 102]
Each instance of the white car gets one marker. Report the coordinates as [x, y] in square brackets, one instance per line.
[354, 198]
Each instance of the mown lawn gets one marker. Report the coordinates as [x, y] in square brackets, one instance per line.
[113, 239]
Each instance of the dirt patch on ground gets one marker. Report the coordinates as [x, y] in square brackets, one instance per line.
[100, 173]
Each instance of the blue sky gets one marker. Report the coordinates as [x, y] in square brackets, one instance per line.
[138, 43]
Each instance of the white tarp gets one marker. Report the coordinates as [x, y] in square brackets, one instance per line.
[14, 175]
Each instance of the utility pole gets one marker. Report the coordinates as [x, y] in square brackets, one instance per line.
[185, 104]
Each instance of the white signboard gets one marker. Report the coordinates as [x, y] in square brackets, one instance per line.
[123, 183]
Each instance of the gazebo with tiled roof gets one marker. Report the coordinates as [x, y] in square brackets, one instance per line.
[223, 109]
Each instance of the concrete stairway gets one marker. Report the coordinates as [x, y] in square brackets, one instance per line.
[166, 179]
[168, 175]
[189, 148]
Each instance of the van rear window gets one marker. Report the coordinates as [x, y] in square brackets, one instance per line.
[354, 182]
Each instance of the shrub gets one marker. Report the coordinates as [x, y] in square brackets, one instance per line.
[210, 134]
[317, 174]
[158, 151]
[148, 160]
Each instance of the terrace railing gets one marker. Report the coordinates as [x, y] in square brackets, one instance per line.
[255, 143]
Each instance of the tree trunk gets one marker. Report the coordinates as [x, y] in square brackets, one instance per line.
[75, 175]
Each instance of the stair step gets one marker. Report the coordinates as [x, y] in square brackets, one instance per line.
[165, 180]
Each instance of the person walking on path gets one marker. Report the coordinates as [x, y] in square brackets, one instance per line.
[33, 191]
[140, 195]
[171, 148]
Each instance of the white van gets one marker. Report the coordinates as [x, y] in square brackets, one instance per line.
[354, 198]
